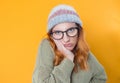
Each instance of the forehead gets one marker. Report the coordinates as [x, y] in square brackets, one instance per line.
[64, 26]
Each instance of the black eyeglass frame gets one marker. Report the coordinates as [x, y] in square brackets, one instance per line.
[78, 28]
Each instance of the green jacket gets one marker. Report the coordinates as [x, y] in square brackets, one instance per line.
[45, 72]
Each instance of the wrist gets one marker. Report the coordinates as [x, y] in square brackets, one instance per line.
[70, 57]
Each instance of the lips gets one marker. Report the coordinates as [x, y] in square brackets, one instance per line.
[68, 45]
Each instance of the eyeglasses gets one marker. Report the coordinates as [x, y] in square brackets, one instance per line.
[71, 32]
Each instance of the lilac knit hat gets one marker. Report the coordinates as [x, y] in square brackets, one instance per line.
[63, 13]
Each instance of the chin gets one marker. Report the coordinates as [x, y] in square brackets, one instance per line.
[69, 48]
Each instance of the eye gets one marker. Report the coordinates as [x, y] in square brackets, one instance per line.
[57, 32]
[71, 30]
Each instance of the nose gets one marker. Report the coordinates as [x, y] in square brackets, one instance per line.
[66, 38]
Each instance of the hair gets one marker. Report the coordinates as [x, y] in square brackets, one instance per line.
[80, 51]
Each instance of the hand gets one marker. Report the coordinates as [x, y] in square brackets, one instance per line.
[67, 53]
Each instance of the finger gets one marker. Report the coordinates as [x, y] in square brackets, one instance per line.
[59, 45]
[56, 42]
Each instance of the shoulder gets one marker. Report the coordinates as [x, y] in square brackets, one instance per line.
[94, 63]
[45, 41]
[96, 68]
[45, 46]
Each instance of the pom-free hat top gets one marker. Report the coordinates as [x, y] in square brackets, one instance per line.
[63, 13]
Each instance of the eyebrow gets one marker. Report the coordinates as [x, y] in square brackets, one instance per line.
[65, 30]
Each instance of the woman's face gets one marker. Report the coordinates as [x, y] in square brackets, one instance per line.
[66, 34]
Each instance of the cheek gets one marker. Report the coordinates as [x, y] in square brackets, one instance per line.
[61, 42]
[74, 40]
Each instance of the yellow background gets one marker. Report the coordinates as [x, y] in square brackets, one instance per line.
[23, 24]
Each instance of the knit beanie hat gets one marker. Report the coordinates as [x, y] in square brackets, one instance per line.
[63, 13]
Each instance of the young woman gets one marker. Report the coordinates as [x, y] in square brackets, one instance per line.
[64, 57]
